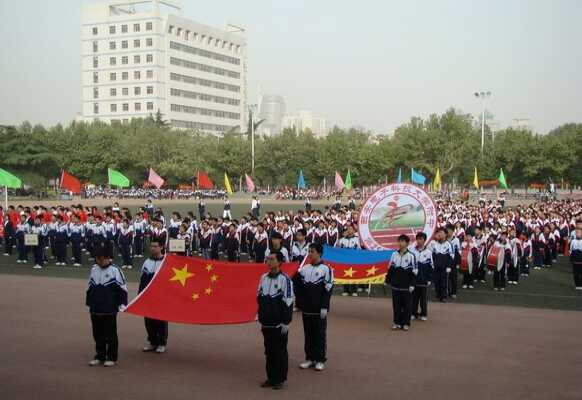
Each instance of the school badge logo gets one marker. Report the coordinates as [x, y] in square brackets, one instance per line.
[394, 210]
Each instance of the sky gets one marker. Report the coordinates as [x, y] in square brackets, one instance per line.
[372, 63]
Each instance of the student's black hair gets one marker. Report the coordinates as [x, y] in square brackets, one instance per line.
[421, 235]
[302, 231]
[404, 238]
[317, 247]
[158, 241]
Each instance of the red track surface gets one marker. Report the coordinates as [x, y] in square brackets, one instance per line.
[388, 237]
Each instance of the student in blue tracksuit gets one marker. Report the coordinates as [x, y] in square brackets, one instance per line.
[61, 240]
[139, 229]
[38, 229]
[424, 278]
[76, 235]
[401, 277]
[275, 299]
[106, 295]
[314, 285]
[22, 229]
[576, 258]
[157, 331]
[442, 256]
[9, 232]
[125, 244]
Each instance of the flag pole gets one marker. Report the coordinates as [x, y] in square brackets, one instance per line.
[5, 198]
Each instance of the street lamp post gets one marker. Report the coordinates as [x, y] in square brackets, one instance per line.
[482, 96]
[251, 109]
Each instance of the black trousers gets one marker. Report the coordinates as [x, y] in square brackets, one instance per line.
[440, 283]
[577, 272]
[39, 255]
[349, 289]
[8, 244]
[401, 305]
[22, 249]
[61, 249]
[499, 278]
[467, 278]
[315, 330]
[76, 248]
[138, 244]
[157, 331]
[420, 298]
[277, 358]
[513, 274]
[105, 336]
[125, 250]
[452, 281]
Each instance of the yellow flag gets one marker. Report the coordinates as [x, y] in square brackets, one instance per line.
[476, 180]
[437, 181]
[227, 184]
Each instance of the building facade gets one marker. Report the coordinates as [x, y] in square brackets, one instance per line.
[138, 57]
[272, 111]
[306, 120]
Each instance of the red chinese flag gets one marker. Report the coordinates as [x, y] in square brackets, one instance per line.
[198, 291]
[1, 225]
[204, 181]
[70, 183]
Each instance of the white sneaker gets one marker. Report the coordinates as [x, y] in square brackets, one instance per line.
[319, 366]
[18, 261]
[161, 349]
[405, 328]
[24, 261]
[129, 267]
[502, 289]
[109, 364]
[306, 364]
[496, 289]
[360, 290]
[464, 286]
[37, 267]
[423, 318]
[412, 317]
[395, 327]
[76, 265]
[578, 287]
[344, 294]
[94, 362]
[354, 294]
[148, 348]
[123, 267]
[6, 254]
[470, 286]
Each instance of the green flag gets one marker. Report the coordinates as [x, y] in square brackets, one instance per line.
[502, 181]
[348, 183]
[116, 178]
[9, 180]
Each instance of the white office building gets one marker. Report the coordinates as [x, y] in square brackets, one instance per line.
[307, 120]
[141, 56]
[271, 111]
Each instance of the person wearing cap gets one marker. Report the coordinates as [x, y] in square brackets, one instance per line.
[276, 246]
[401, 277]
[275, 299]
[106, 296]
[314, 285]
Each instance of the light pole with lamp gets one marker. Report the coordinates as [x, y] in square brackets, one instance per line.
[252, 114]
[482, 96]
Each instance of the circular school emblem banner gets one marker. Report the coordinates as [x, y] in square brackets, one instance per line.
[394, 210]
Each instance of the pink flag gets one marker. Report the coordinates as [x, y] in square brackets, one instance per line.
[155, 179]
[250, 183]
[339, 182]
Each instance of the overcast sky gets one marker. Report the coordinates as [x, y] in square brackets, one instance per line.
[370, 63]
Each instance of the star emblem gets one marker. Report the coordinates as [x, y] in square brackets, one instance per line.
[209, 268]
[181, 275]
[214, 278]
[208, 291]
[195, 296]
[372, 271]
[350, 272]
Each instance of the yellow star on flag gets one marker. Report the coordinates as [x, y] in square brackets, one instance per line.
[209, 268]
[181, 275]
[372, 271]
[214, 278]
[208, 291]
[350, 272]
[195, 296]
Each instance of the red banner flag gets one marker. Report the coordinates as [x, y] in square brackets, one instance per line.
[155, 179]
[198, 291]
[70, 183]
[204, 181]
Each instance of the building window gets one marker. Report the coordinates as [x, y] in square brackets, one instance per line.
[150, 105]
[125, 106]
[150, 90]
[124, 60]
[95, 93]
[150, 74]
[95, 47]
[112, 29]
[111, 45]
[125, 76]
[136, 27]
[209, 40]
[170, 28]
[149, 42]
[149, 58]
[95, 31]
[112, 76]
[187, 35]
[136, 43]
[149, 26]
[123, 28]
[124, 44]
[137, 106]
[95, 108]
[95, 77]
[137, 90]
[178, 32]
[136, 75]
[113, 107]
[195, 36]
[136, 59]
[125, 91]
[95, 62]
[113, 92]
[112, 61]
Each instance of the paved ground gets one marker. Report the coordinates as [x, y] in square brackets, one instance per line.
[463, 351]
